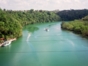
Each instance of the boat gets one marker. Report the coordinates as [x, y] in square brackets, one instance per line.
[46, 29]
[6, 43]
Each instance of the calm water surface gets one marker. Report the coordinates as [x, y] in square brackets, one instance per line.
[38, 47]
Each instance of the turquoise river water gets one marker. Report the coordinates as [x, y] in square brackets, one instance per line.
[38, 47]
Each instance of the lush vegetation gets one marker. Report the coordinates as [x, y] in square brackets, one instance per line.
[9, 26]
[67, 15]
[12, 22]
[77, 26]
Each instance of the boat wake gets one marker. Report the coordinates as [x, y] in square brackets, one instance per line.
[28, 36]
[72, 43]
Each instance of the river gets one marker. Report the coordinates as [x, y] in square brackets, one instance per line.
[38, 47]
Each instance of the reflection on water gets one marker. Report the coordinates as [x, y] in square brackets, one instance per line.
[32, 28]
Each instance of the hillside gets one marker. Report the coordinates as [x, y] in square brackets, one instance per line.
[67, 15]
[77, 26]
[12, 22]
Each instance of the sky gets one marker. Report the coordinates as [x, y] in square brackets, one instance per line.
[43, 4]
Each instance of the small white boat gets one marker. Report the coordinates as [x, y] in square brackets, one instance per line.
[6, 43]
[46, 29]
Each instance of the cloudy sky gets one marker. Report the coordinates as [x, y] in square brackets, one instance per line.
[43, 4]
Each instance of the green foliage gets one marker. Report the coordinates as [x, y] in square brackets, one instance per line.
[31, 16]
[68, 15]
[85, 18]
[9, 26]
[12, 22]
[67, 26]
[77, 26]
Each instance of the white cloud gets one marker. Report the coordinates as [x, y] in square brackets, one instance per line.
[43, 4]
[3, 1]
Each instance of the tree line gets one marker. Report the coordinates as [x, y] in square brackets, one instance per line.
[77, 26]
[12, 22]
[69, 15]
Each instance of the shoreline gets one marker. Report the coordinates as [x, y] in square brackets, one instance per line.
[11, 40]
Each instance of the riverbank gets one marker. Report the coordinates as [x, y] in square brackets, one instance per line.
[10, 40]
[77, 26]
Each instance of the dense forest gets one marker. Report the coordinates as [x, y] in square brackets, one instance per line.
[69, 15]
[12, 22]
[77, 26]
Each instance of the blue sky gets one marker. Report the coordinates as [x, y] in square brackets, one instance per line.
[43, 4]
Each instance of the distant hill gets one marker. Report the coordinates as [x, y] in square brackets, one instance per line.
[67, 15]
